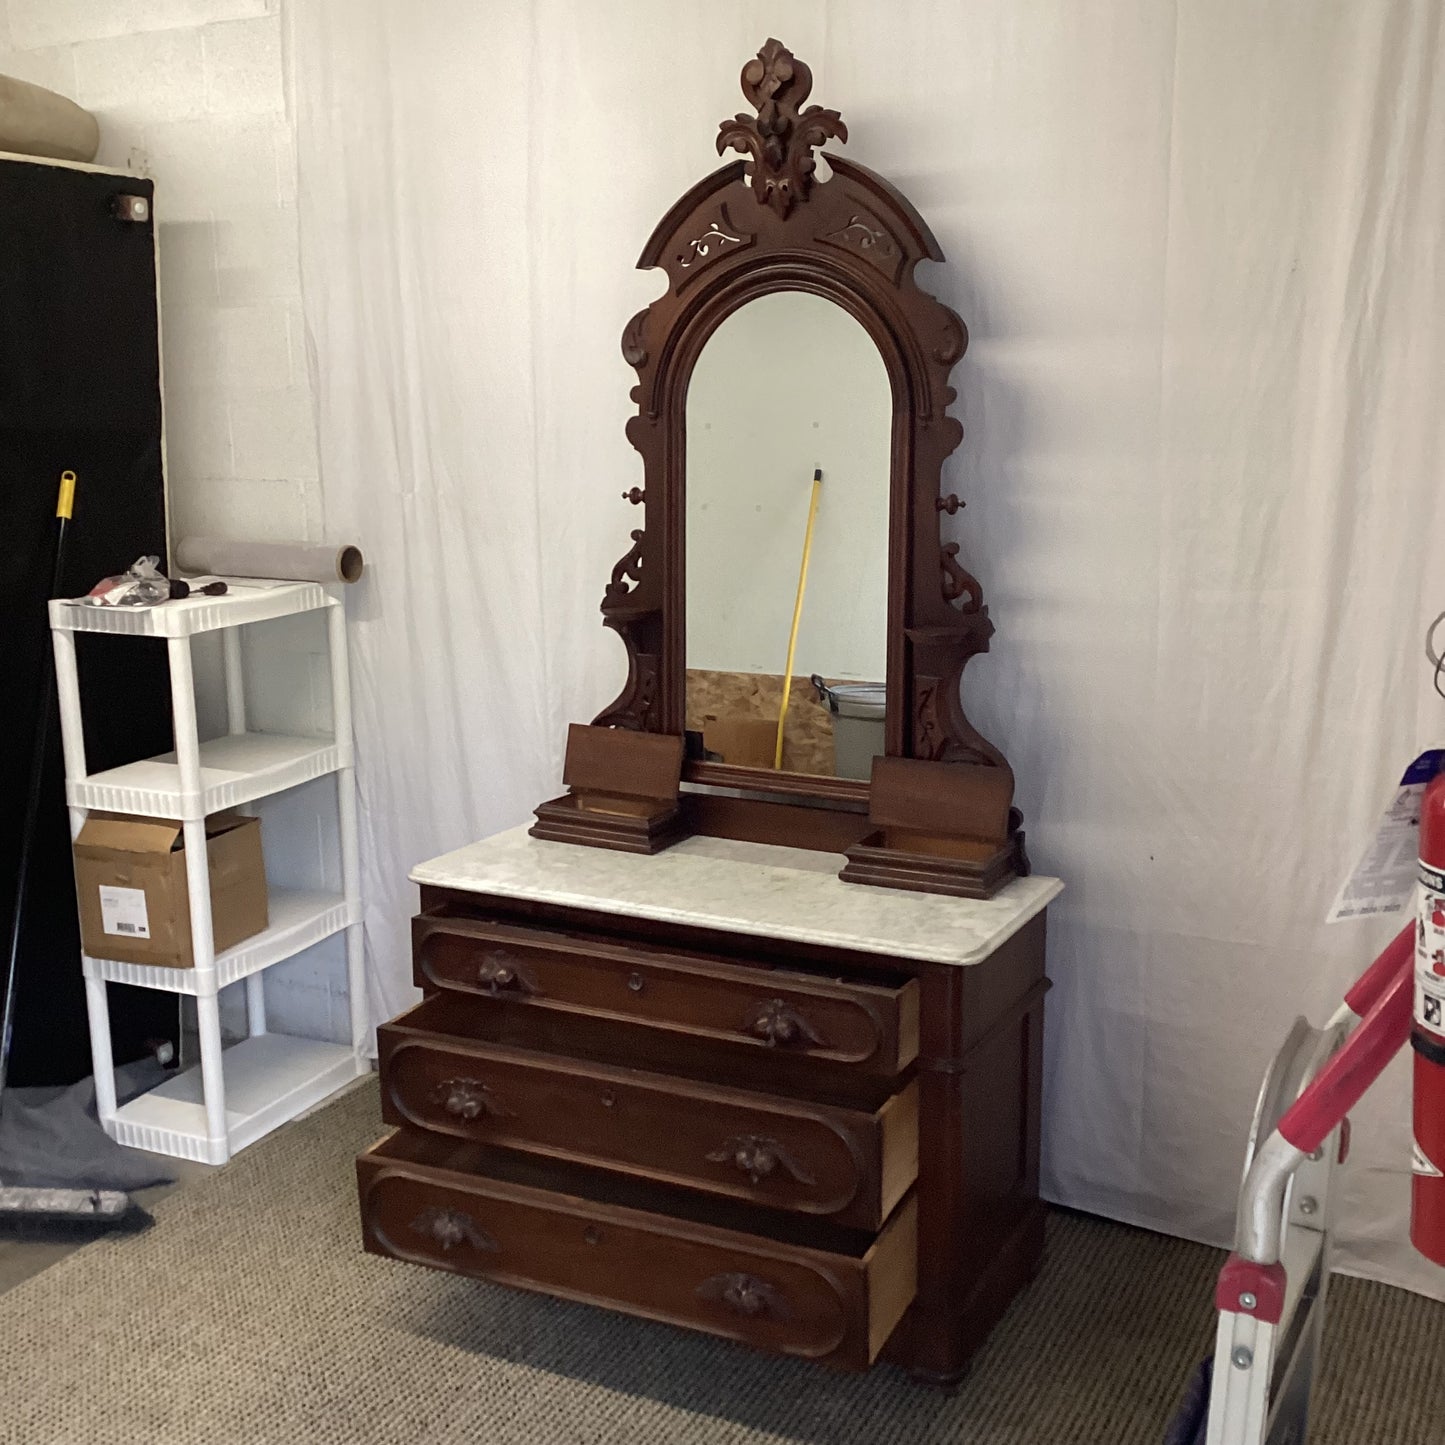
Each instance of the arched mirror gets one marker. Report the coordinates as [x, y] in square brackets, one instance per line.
[789, 418]
[794, 367]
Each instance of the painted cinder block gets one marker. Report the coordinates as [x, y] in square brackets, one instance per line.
[258, 511]
[299, 828]
[53, 67]
[245, 347]
[306, 995]
[142, 79]
[214, 166]
[187, 251]
[198, 434]
[257, 255]
[274, 433]
[62, 22]
[192, 93]
[243, 67]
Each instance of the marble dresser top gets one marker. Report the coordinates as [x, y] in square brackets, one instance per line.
[750, 888]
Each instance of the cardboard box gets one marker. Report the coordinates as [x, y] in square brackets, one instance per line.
[748, 742]
[130, 881]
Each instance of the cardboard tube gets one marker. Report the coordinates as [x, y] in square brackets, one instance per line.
[37, 122]
[284, 561]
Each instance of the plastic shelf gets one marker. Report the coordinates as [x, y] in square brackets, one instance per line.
[298, 919]
[235, 1095]
[234, 769]
[269, 1079]
[246, 601]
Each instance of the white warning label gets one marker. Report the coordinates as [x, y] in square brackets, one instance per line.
[1383, 881]
[123, 912]
[1419, 1164]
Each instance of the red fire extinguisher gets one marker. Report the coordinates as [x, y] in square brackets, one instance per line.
[1427, 1036]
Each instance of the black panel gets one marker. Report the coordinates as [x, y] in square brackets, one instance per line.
[79, 389]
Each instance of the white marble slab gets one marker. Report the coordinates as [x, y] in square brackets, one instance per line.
[754, 888]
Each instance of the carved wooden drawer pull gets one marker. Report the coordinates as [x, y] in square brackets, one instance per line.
[450, 1227]
[758, 1157]
[469, 1099]
[746, 1295]
[501, 973]
[778, 1023]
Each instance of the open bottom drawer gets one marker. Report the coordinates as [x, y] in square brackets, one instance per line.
[799, 1288]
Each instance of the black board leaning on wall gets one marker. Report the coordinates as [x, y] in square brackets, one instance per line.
[79, 389]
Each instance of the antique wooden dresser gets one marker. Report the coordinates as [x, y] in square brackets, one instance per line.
[672, 1057]
[721, 1088]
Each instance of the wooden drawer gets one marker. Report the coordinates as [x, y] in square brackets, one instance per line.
[869, 1026]
[832, 1295]
[850, 1165]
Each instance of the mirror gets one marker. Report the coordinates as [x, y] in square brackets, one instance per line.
[788, 385]
[793, 336]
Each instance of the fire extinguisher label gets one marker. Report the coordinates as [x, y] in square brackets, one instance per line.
[1383, 881]
[1430, 951]
[1420, 1164]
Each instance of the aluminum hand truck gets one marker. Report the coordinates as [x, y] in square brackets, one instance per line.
[1271, 1291]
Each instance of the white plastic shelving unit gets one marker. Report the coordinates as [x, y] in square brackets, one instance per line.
[238, 1094]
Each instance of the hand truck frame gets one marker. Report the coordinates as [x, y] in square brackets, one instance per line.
[1272, 1290]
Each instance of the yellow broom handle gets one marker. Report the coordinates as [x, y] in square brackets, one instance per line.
[797, 614]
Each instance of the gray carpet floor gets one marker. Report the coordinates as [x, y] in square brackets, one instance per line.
[249, 1314]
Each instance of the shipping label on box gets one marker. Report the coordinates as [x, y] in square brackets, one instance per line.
[123, 912]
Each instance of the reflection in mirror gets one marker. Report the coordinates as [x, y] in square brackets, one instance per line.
[788, 386]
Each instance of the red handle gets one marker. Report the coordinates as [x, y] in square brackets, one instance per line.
[1339, 1085]
[1375, 979]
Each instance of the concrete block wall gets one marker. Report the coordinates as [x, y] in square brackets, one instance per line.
[193, 94]
[287, 674]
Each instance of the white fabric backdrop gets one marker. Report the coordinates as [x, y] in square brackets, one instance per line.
[1198, 247]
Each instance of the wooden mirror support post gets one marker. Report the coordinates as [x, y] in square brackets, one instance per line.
[938, 813]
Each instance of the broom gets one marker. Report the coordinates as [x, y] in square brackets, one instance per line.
[797, 615]
[37, 1212]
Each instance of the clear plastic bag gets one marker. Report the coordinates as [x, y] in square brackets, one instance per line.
[143, 584]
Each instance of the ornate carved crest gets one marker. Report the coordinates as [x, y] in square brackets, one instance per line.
[781, 139]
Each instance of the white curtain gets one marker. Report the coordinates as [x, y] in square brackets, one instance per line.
[1198, 247]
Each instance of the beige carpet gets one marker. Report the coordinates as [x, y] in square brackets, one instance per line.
[249, 1314]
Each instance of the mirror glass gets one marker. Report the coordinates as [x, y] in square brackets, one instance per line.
[789, 386]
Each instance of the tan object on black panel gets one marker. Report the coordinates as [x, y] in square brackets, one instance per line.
[37, 122]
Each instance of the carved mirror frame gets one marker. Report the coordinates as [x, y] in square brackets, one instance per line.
[855, 240]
